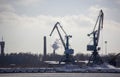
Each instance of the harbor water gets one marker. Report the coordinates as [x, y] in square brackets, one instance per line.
[60, 75]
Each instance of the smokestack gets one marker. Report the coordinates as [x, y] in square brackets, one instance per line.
[45, 47]
[2, 44]
[54, 52]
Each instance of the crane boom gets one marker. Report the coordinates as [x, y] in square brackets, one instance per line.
[59, 33]
[101, 17]
[96, 33]
[53, 29]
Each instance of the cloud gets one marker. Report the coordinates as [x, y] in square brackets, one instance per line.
[6, 7]
[27, 2]
[95, 9]
[111, 34]
[25, 33]
[118, 1]
[112, 25]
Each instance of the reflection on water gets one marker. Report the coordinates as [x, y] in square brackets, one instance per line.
[60, 75]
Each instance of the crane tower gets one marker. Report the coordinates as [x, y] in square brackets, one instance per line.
[95, 57]
[67, 58]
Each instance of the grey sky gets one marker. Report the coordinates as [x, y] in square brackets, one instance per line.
[23, 23]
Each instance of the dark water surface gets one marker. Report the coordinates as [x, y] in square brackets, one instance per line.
[60, 75]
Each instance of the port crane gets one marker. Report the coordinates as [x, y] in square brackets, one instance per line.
[67, 58]
[95, 57]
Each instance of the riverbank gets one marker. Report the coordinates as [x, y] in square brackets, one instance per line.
[60, 70]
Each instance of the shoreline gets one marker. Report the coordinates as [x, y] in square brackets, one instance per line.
[59, 70]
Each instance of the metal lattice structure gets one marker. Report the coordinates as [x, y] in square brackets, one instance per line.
[95, 57]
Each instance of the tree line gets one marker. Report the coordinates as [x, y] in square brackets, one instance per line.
[34, 60]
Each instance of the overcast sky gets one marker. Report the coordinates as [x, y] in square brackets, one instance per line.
[23, 23]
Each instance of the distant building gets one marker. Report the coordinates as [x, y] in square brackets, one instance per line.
[2, 45]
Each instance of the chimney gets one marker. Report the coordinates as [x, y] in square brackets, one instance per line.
[45, 48]
[2, 44]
